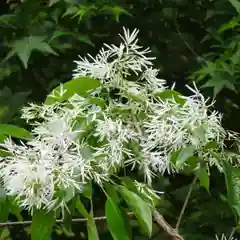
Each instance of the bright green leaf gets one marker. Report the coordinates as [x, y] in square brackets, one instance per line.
[81, 86]
[203, 178]
[42, 224]
[14, 131]
[170, 94]
[140, 208]
[115, 220]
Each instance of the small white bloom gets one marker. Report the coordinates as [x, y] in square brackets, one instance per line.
[223, 237]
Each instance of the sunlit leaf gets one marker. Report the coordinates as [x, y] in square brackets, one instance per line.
[81, 86]
[170, 94]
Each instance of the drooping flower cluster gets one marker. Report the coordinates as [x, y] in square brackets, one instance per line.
[140, 125]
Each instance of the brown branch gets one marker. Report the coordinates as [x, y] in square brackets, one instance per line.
[161, 222]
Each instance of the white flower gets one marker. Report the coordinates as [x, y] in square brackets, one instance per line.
[154, 84]
[117, 135]
[172, 126]
[223, 237]
[115, 63]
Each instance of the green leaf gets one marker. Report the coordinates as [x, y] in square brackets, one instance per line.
[42, 224]
[203, 178]
[144, 192]
[115, 221]
[172, 94]
[235, 4]
[183, 155]
[24, 47]
[81, 86]
[91, 226]
[139, 207]
[218, 83]
[81, 208]
[15, 131]
[52, 2]
[232, 179]
[92, 229]
[116, 11]
[88, 190]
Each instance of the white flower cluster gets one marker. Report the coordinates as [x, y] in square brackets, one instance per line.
[75, 142]
[223, 237]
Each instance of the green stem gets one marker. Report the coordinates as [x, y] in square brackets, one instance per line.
[185, 203]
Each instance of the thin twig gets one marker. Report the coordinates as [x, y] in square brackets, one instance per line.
[185, 203]
[185, 42]
[75, 220]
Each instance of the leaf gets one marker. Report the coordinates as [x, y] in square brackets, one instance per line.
[92, 229]
[115, 220]
[170, 94]
[52, 2]
[81, 208]
[87, 190]
[140, 208]
[42, 224]
[24, 47]
[70, 11]
[183, 155]
[235, 4]
[81, 86]
[204, 178]
[15, 131]
[116, 11]
[232, 179]
[218, 83]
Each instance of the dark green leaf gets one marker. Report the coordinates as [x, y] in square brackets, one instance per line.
[42, 224]
[139, 207]
[24, 47]
[81, 86]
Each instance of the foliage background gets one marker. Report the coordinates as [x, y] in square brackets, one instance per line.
[192, 41]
